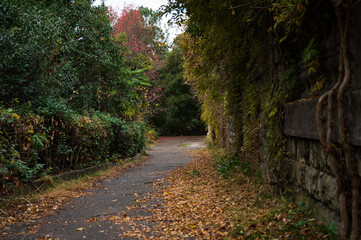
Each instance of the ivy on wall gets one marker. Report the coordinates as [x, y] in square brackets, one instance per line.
[246, 59]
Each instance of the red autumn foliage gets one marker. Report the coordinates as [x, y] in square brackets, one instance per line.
[142, 45]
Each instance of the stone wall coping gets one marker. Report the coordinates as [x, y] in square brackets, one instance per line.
[300, 119]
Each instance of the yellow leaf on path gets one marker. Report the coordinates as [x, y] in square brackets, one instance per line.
[79, 229]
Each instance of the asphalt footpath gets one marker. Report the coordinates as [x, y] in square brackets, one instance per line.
[79, 218]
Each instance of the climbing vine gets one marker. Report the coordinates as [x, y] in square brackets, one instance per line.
[343, 160]
[241, 87]
[245, 60]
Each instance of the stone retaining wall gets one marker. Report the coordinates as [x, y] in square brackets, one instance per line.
[311, 173]
[310, 167]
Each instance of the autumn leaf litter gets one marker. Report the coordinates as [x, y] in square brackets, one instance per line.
[194, 202]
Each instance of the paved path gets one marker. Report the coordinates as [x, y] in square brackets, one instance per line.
[114, 195]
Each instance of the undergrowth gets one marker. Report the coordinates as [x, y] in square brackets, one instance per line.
[266, 215]
[231, 164]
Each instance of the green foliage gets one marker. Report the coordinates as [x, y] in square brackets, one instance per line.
[230, 164]
[28, 39]
[283, 220]
[195, 173]
[31, 144]
[14, 168]
[64, 52]
[153, 19]
[288, 16]
[39, 140]
[179, 111]
[331, 229]
[64, 90]
[244, 62]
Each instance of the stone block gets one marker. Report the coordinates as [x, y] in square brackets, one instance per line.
[317, 184]
[300, 119]
[298, 172]
[315, 155]
[291, 146]
[355, 36]
[355, 125]
[321, 212]
[309, 152]
[303, 150]
[319, 159]
[358, 157]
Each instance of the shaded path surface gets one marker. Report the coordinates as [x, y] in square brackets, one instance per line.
[79, 219]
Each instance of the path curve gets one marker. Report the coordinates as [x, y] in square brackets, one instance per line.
[74, 221]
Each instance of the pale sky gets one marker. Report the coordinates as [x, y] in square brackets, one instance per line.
[153, 4]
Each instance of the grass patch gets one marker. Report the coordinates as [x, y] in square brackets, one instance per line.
[194, 172]
[228, 165]
[183, 145]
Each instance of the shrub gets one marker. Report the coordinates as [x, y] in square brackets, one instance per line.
[19, 163]
[31, 145]
[228, 164]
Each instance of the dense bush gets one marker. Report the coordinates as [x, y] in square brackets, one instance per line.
[64, 90]
[61, 51]
[74, 90]
[32, 145]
